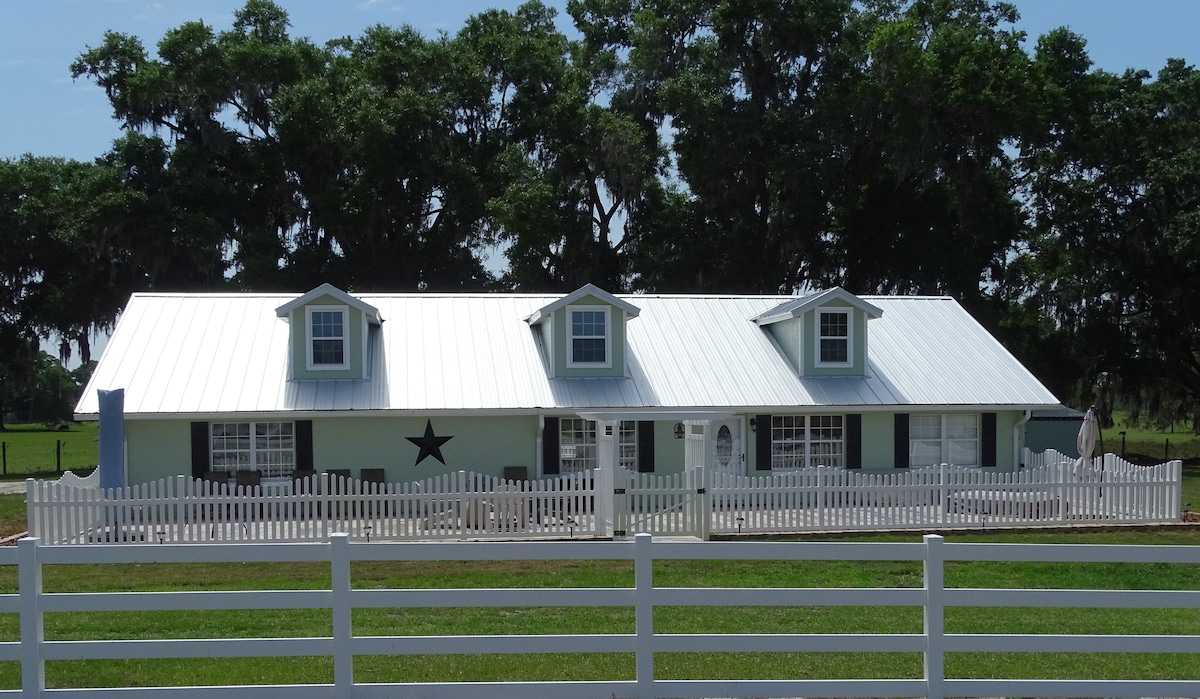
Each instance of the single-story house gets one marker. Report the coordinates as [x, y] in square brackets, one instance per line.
[421, 384]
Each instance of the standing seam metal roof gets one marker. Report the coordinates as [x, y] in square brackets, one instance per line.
[213, 354]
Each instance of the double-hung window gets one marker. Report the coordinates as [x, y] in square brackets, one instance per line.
[943, 439]
[590, 334]
[833, 338]
[577, 445]
[327, 337]
[267, 447]
[802, 441]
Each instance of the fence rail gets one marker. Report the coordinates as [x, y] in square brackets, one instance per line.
[32, 651]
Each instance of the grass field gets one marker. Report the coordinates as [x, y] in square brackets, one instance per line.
[39, 451]
[588, 574]
[1152, 444]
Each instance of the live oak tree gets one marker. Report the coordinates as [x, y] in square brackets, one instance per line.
[1115, 190]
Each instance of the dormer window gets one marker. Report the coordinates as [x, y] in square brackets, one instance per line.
[833, 338]
[582, 334]
[327, 337]
[590, 336]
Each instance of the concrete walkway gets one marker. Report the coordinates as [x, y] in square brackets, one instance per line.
[11, 487]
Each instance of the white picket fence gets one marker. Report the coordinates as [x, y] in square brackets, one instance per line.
[452, 506]
[1048, 491]
[644, 645]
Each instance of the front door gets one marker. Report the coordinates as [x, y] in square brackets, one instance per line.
[728, 447]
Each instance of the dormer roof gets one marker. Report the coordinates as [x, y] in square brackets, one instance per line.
[592, 290]
[369, 312]
[794, 308]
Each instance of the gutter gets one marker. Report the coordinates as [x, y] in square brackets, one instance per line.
[1018, 432]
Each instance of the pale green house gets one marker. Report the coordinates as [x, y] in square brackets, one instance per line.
[540, 385]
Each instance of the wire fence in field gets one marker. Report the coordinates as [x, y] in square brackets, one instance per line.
[21, 454]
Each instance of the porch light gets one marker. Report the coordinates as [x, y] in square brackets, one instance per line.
[753, 424]
[679, 430]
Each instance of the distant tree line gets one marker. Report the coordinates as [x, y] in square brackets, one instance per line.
[748, 146]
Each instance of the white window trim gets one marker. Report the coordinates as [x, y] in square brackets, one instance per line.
[626, 433]
[253, 451]
[570, 335]
[808, 441]
[308, 329]
[817, 337]
[945, 440]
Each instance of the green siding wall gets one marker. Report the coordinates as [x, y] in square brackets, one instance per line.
[480, 444]
[299, 334]
[878, 433]
[668, 451]
[787, 337]
[157, 449]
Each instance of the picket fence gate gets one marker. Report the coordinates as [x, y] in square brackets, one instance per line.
[32, 603]
[1050, 490]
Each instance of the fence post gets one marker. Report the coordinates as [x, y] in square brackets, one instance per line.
[643, 583]
[935, 639]
[33, 667]
[1064, 469]
[4, 456]
[343, 632]
[58, 455]
[703, 504]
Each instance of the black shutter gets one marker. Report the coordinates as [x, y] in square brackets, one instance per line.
[645, 441]
[762, 442]
[200, 462]
[550, 452]
[987, 440]
[854, 440]
[901, 443]
[304, 445]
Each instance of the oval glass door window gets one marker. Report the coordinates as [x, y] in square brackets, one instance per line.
[724, 447]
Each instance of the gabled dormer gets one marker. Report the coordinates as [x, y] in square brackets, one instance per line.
[583, 333]
[822, 334]
[328, 334]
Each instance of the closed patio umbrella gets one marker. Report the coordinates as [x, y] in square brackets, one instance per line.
[1086, 441]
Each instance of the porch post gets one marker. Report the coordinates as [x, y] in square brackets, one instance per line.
[606, 464]
[703, 513]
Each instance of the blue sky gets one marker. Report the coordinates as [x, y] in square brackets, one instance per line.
[45, 112]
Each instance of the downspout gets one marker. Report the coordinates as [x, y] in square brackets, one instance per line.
[1018, 432]
[537, 454]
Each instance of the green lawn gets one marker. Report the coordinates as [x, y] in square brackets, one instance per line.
[38, 451]
[586, 574]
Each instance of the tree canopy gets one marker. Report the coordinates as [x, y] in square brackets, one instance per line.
[748, 146]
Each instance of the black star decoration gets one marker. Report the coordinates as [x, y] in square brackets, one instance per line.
[430, 444]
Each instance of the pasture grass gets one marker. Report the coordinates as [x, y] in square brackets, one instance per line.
[32, 451]
[13, 517]
[599, 574]
[1150, 444]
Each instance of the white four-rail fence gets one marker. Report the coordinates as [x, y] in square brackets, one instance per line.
[1050, 490]
[644, 648]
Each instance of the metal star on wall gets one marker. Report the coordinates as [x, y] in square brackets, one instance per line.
[430, 444]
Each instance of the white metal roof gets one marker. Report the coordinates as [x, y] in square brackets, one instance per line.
[212, 354]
